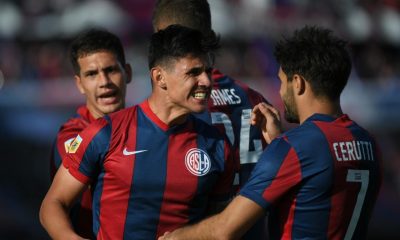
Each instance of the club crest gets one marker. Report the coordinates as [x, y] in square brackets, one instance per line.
[197, 162]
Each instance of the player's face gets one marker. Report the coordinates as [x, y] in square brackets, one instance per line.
[188, 83]
[287, 95]
[103, 80]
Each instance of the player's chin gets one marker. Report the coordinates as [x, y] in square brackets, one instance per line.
[110, 108]
[199, 108]
[198, 105]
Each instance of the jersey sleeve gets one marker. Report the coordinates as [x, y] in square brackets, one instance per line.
[223, 190]
[87, 151]
[276, 174]
[60, 147]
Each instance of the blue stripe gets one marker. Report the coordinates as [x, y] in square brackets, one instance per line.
[210, 141]
[265, 172]
[311, 217]
[96, 151]
[148, 181]
[360, 134]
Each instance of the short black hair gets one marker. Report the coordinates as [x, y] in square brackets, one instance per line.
[189, 13]
[319, 57]
[92, 41]
[177, 41]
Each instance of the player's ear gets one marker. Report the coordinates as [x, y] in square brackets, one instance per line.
[158, 77]
[128, 71]
[78, 83]
[299, 84]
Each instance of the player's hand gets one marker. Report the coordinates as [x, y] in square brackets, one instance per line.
[268, 119]
[165, 236]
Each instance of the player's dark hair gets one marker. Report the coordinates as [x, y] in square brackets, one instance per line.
[189, 13]
[177, 41]
[319, 57]
[92, 41]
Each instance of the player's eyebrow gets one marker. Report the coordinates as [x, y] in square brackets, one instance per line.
[110, 68]
[90, 72]
[195, 71]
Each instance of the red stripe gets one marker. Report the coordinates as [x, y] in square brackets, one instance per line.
[288, 175]
[343, 200]
[117, 181]
[73, 160]
[181, 185]
[216, 74]
[288, 223]
[150, 114]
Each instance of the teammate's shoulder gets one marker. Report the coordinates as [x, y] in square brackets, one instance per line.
[77, 122]
[305, 133]
[122, 114]
[205, 128]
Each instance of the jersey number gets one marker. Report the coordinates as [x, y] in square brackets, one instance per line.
[361, 176]
[246, 156]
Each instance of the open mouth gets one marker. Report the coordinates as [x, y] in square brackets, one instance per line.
[201, 94]
[109, 97]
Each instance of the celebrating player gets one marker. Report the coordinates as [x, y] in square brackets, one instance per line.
[154, 167]
[319, 180]
[231, 100]
[101, 74]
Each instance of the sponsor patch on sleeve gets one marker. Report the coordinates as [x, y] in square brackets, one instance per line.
[73, 147]
[67, 144]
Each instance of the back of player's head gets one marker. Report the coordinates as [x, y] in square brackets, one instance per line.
[189, 13]
[176, 42]
[319, 57]
[92, 41]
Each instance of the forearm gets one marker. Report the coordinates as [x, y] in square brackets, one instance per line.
[55, 219]
[231, 223]
[208, 229]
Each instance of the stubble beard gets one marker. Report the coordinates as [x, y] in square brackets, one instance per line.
[291, 114]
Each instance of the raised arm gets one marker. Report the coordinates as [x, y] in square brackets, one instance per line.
[56, 204]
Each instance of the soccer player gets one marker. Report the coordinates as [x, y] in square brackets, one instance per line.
[154, 167]
[101, 74]
[231, 100]
[321, 179]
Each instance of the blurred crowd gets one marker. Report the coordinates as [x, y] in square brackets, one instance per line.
[34, 34]
[35, 71]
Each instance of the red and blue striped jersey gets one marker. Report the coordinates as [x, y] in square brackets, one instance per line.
[229, 109]
[81, 213]
[67, 132]
[147, 177]
[319, 180]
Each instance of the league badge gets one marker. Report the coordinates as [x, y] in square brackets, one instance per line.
[75, 144]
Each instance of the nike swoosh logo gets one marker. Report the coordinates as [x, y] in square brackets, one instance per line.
[127, 153]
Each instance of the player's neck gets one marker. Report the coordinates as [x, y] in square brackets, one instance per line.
[165, 112]
[319, 106]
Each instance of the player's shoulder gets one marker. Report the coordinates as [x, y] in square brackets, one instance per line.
[73, 125]
[305, 132]
[121, 117]
[205, 129]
